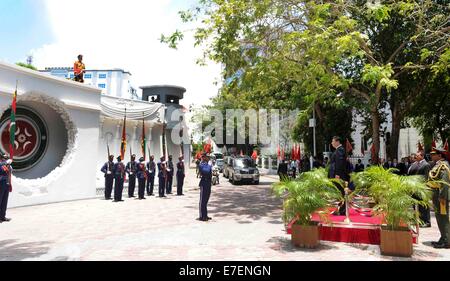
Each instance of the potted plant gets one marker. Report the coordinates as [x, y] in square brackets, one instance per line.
[395, 203]
[308, 194]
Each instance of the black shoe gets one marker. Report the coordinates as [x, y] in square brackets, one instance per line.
[436, 242]
[209, 218]
[200, 219]
[441, 246]
[5, 220]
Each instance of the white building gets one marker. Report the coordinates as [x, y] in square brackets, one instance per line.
[63, 128]
[113, 82]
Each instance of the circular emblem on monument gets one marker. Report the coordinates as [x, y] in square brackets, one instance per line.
[30, 139]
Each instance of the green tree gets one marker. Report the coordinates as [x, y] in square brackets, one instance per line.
[304, 54]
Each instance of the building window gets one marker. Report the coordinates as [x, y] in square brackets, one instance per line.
[102, 86]
[102, 76]
[88, 76]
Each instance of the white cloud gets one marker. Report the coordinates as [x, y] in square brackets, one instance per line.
[125, 34]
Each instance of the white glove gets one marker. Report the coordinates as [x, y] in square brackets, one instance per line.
[9, 161]
[131, 174]
[109, 173]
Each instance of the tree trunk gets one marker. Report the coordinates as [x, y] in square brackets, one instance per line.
[395, 131]
[375, 136]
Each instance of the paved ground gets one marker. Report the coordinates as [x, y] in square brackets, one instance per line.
[246, 226]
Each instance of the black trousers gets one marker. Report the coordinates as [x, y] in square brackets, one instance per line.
[131, 185]
[162, 186]
[205, 194]
[109, 180]
[424, 212]
[150, 183]
[342, 209]
[4, 195]
[169, 184]
[141, 191]
[118, 189]
[180, 184]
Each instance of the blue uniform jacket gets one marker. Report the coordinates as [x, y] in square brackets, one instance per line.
[132, 167]
[105, 168]
[4, 175]
[206, 173]
[119, 170]
[140, 174]
[151, 168]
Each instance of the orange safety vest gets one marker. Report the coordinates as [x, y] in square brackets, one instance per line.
[78, 67]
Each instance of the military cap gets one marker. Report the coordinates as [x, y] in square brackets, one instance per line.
[142, 159]
[119, 158]
[438, 150]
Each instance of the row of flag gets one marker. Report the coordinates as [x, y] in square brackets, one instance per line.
[296, 153]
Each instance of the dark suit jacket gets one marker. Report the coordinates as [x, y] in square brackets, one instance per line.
[283, 169]
[338, 164]
[420, 168]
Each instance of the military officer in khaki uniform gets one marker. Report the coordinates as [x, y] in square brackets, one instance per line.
[439, 182]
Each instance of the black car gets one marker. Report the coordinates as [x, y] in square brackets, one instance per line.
[241, 169]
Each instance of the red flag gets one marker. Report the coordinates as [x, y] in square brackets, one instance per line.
[293, 151]
[446, 145]
[278, 151]
[123, 145]
[433, 144]
[299, 152]
[348, 146]
[420, 147]
[283, 154]
[255, 155]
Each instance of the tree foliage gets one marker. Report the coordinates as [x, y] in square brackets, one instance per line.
[304, 54]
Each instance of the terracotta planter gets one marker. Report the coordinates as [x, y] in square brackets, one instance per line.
[396, 243]
[305, 236]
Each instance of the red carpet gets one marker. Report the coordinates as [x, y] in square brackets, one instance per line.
[362, 230]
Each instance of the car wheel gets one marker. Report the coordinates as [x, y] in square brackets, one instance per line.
[233, 181]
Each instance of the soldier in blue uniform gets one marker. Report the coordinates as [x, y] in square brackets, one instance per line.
[119, 178]
[205, 170]
[181, 174]
[107, 169]
[170, 174]
[151, 173]
[131, 171]
[5, 185]
[142, 176]
[162, 176]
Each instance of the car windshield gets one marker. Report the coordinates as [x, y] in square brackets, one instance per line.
[244, 163]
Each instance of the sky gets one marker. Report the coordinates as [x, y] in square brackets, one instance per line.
[110, 34]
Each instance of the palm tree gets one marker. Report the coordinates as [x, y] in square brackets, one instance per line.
[311, 192]
[394, 195]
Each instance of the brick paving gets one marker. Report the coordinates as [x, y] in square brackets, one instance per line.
[246, 226]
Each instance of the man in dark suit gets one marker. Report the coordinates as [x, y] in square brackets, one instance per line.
[359, 167]
[283, 170]
[162, 176]
[422, 168]
[338, 169]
